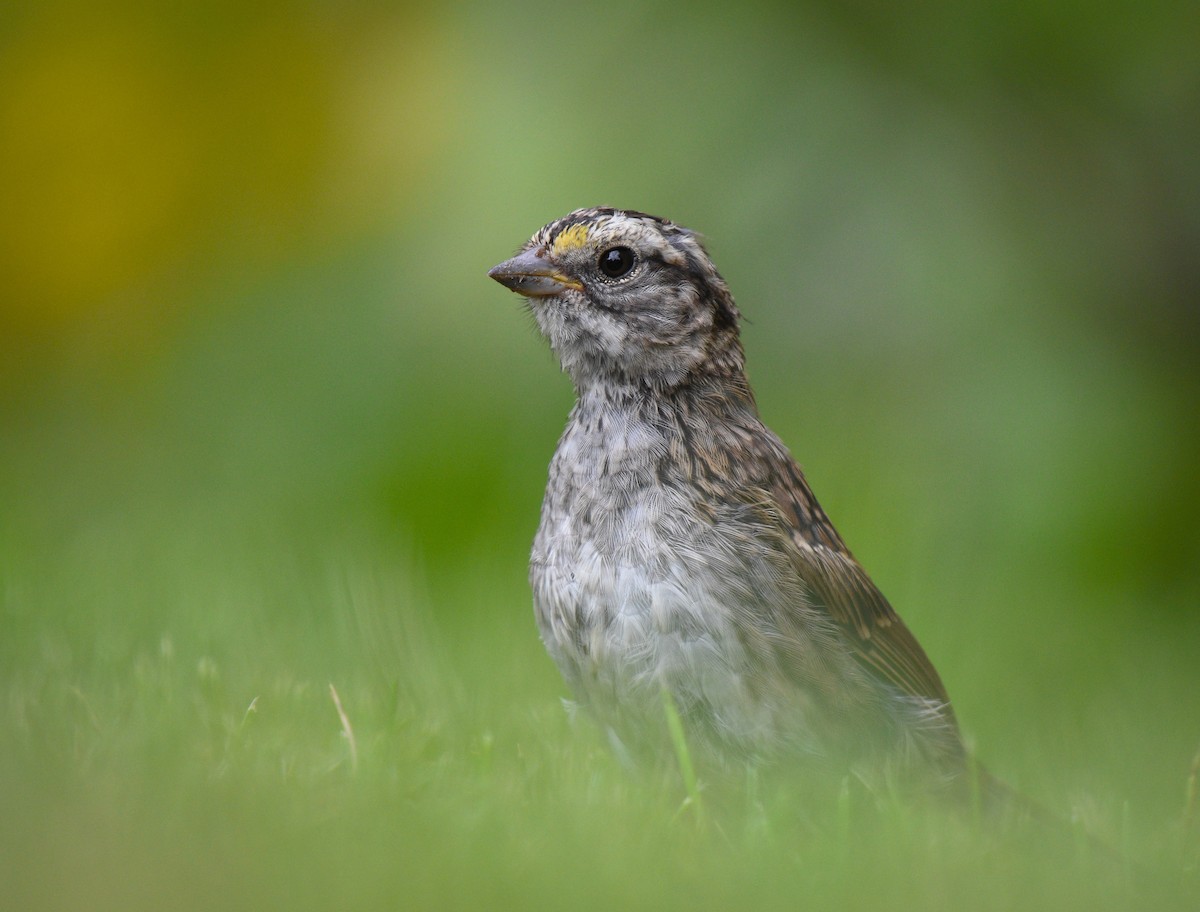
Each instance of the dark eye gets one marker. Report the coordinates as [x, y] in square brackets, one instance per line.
[616, 262]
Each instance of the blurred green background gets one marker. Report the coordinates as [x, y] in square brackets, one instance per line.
[265, 423]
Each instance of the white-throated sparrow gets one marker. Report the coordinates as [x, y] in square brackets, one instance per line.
[680, 547]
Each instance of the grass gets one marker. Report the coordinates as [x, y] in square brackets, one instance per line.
[235, 723]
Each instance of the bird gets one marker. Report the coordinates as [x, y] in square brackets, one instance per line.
[681, 553]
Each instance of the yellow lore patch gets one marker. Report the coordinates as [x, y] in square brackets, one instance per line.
[570, 238]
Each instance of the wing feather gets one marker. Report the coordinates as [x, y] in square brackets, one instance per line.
[876, 635]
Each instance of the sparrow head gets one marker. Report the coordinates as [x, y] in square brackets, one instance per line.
[626, 297]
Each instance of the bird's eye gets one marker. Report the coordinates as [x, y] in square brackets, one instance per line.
[616, 262]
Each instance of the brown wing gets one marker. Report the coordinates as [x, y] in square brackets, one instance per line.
[872, 629]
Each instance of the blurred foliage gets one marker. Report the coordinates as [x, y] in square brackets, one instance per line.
[244, 314]
[242, 249]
